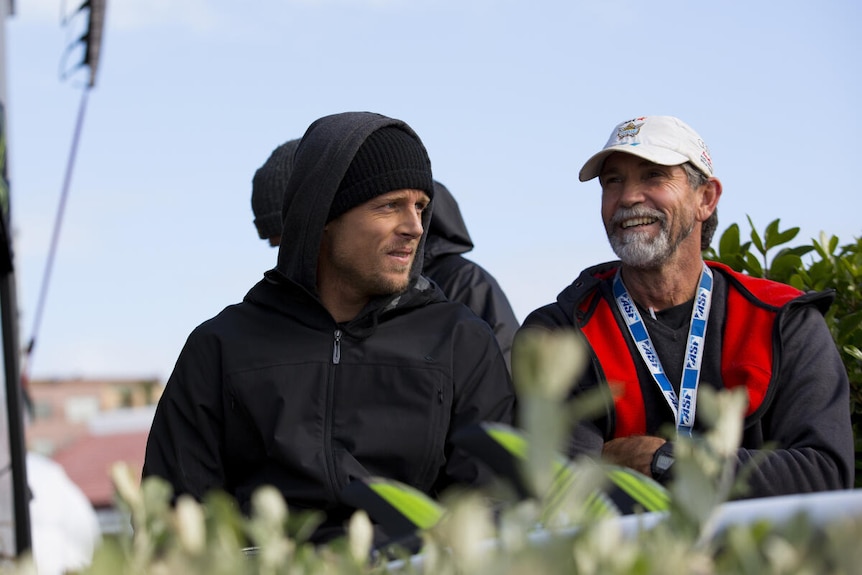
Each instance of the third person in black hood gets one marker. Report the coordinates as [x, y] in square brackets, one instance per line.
[461, 279]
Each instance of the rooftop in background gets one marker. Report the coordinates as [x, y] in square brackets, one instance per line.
[88, 462]
[87, 425]
[65, 410]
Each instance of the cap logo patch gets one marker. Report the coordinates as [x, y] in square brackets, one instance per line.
[704, 155]
[630, 129]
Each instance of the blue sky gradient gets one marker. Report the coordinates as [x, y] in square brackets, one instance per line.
[509, 96]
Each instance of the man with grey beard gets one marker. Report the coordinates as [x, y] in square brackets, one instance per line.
[645, 319]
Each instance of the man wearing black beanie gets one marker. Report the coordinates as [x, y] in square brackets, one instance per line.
[343, 362]
[446, 242]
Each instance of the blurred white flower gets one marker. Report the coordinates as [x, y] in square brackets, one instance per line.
[604, 550]
[360, 534]
[126, 484]
[268, 505]
[190, 525]
[548, 362]
[467, 531]
[783, 556]
[726, 436]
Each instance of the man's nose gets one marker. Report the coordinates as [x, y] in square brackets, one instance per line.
[411, 223]
[632, 193]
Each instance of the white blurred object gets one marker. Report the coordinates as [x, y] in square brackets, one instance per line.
[64, 527]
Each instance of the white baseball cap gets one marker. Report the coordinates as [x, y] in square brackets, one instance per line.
[664, 140]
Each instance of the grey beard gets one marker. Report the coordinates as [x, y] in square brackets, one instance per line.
[638, 251]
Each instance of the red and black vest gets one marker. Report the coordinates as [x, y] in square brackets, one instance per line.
[746, 357]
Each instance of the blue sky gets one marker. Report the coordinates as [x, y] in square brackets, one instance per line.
[509, 96]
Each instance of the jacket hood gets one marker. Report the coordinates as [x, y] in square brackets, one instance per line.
[447, 233]
[321, 160]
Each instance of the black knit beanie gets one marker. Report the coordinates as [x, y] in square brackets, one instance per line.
[267, 189]
[389, 159]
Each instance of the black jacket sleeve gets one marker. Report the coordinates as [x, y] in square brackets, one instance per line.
[483, 393]
[806, 429]
[185, 441]
[466, 282]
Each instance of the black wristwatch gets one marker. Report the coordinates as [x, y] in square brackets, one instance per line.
[662, 461]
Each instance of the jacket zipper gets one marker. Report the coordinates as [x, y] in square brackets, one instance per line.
[336, 348]
[327, 438]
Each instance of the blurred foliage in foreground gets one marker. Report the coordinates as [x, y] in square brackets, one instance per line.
[481, 534]
[820, 265]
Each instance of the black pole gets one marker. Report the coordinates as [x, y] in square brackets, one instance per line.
[15, 409]
[11, 355]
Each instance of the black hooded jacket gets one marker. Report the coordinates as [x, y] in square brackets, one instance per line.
[461, 279]
[273, 391]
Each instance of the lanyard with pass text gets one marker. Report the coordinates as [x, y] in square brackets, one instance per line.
[683, 410]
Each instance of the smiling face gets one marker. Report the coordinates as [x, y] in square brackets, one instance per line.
[369, 250]
[649, 211]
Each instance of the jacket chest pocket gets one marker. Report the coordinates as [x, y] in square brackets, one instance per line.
[394, 422]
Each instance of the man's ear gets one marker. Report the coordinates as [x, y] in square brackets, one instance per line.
[709, 198]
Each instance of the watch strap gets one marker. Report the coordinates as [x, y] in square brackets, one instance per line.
[662, 462]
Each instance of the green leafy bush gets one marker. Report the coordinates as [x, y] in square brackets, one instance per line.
[828, 265]
[479, 534]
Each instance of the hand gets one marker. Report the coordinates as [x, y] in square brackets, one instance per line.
[635, 451]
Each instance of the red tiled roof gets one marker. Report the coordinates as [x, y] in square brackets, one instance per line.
[88, 462]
